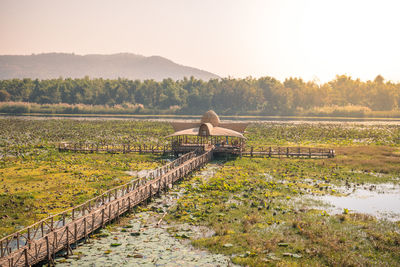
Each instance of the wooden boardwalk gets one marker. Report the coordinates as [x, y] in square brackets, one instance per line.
[42, 240]
[279, 152]
[114, 148]
[290, 152]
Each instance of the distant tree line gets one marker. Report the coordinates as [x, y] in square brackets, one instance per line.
[264, 96]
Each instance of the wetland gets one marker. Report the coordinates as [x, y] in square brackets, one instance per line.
[259, 211]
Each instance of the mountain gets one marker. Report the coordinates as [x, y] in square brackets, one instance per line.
[123, 65]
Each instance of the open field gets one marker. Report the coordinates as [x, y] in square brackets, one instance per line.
[263, 211]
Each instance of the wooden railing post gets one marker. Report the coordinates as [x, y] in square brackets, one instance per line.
[55, 244]
[84, 228]
[75, 232]
[26, 257]
[68, 246]
[48, 249]
[109, 213]
[92, 229]
[29, 237]
[102, 217]
[118, 211]
[149, 199]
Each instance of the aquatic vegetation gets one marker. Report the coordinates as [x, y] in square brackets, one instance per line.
[252, 205]
[322, 134]
[33, 188]
[36, 180]
[24, 137]
[256, 206]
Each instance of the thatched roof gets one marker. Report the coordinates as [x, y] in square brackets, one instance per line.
[210, 117]
[215, 131]
[213, 124]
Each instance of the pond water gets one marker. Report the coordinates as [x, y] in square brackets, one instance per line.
[196, 118]
[146, 241]
[381, 200]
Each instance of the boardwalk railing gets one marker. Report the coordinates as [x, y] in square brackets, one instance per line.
[304, 152]
[114, 148]
[271, 151]
[43, 239]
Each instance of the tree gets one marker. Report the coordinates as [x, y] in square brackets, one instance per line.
[4, 96]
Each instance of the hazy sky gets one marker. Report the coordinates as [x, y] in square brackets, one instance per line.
[313, 39]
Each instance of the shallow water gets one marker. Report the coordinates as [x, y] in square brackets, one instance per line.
[142, 243]
[193, 118]
[381, 201]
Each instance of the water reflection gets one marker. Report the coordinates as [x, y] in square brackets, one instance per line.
[381, 200]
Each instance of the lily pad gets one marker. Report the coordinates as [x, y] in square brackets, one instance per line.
[135, 234]
[293, 255]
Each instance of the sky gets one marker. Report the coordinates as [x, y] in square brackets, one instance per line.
[312, 39]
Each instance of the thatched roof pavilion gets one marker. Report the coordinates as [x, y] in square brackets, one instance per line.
[210, 125]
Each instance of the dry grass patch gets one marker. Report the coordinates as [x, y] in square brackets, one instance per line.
[378, 159]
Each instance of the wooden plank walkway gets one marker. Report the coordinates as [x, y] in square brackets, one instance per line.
[42, 240]
[114, 148]
[289, 152]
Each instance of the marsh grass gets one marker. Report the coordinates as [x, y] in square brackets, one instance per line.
[258, 214]
[377, 159]
[32, 189]
[262, 135]
[252, 204]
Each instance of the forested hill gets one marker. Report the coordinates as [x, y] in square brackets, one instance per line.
[124, 65]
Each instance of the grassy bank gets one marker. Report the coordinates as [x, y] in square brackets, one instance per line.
[138, 109]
